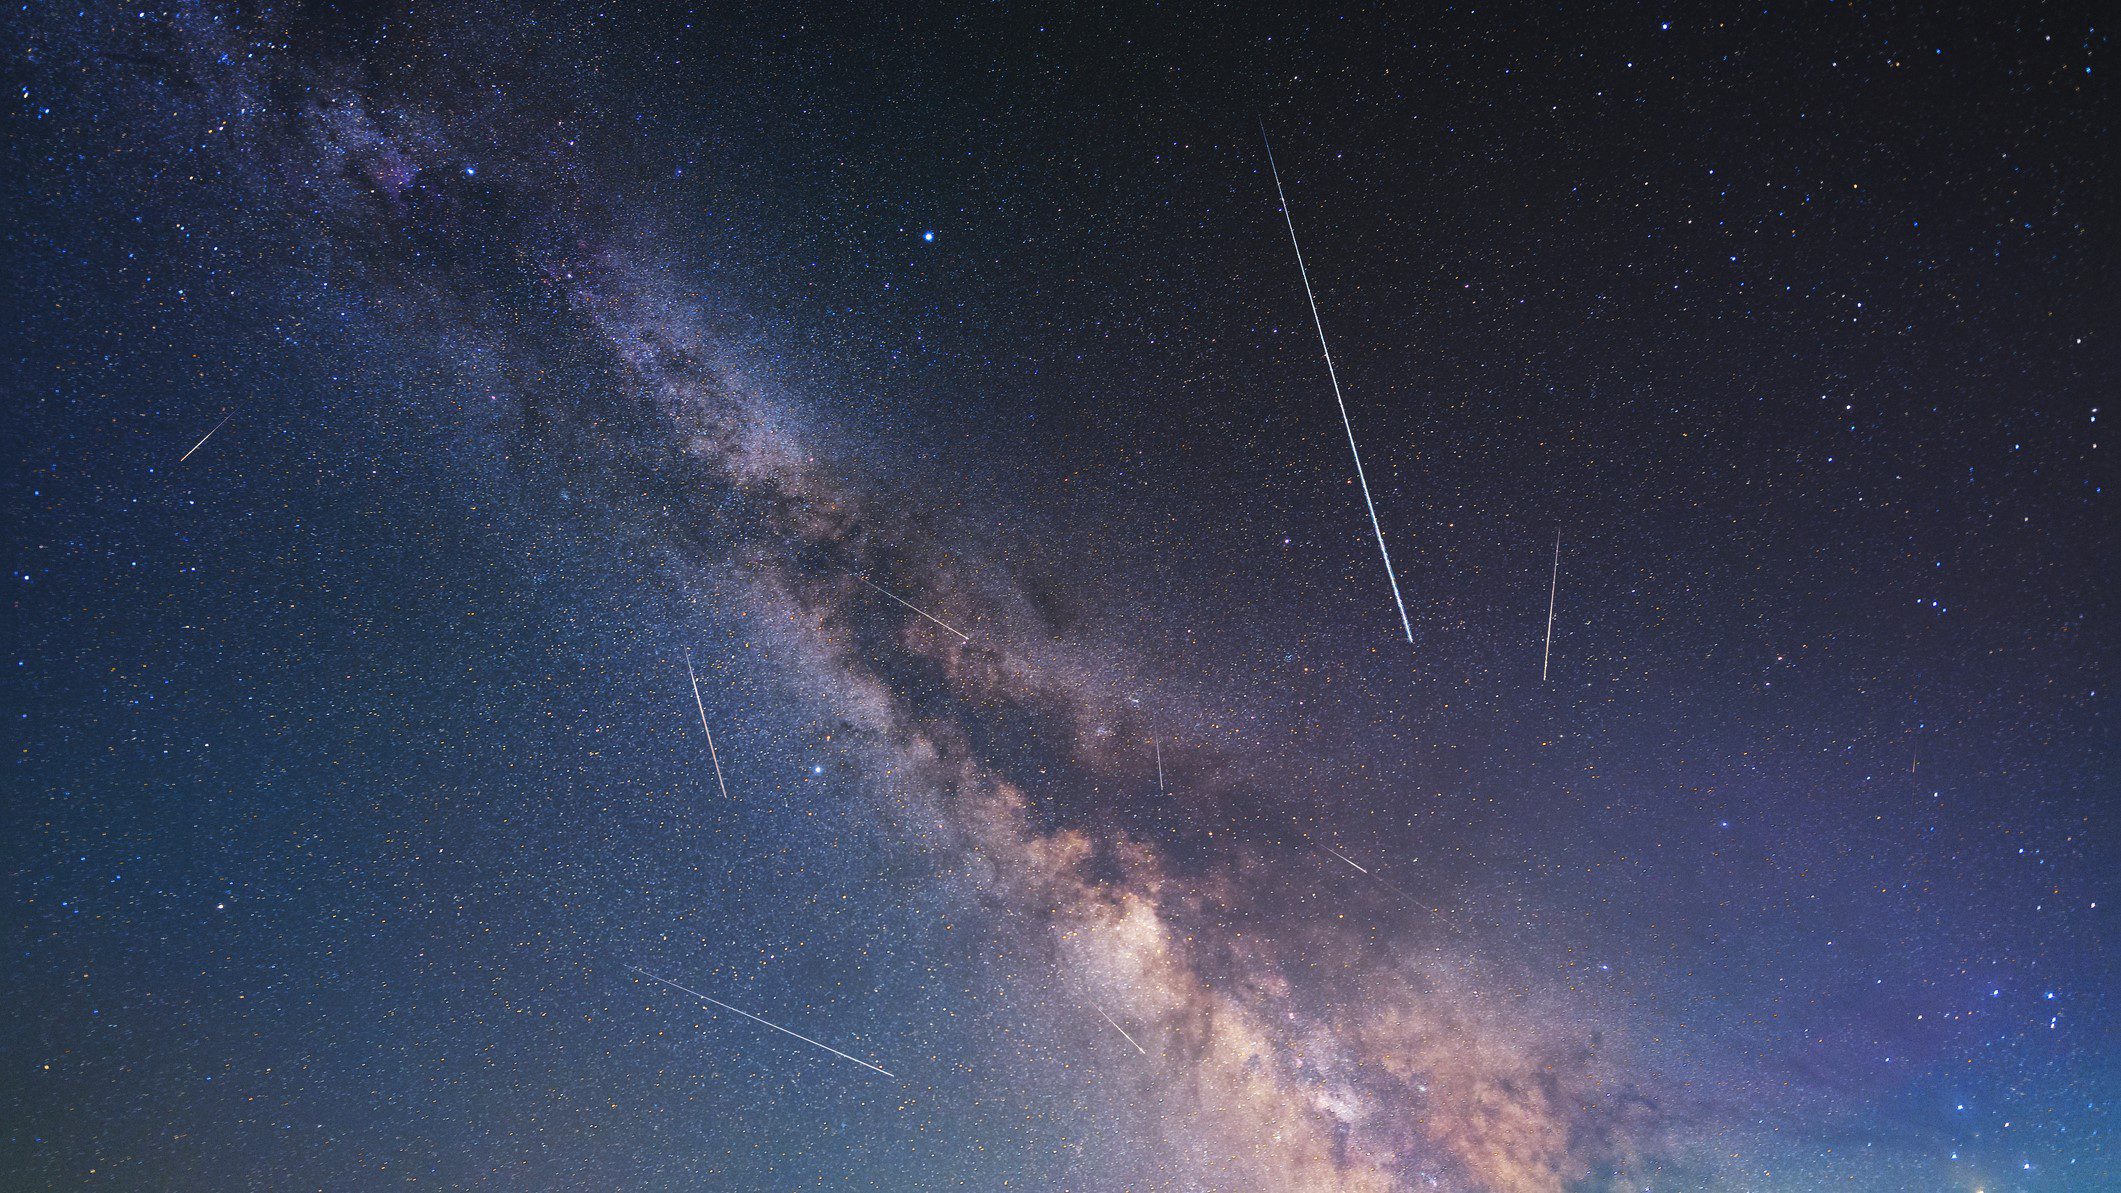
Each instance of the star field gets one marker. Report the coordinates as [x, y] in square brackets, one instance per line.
[942, 386]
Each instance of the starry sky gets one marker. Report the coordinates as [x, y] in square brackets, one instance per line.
[941, 389]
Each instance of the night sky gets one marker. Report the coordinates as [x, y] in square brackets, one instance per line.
[944, 388]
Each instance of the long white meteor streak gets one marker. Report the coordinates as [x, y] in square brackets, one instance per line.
[702, 706]
[1553, 586]
[755, 1019]
[209, 435]
[1159, 764]
[917, 609]
[1123, 1031]
[1343, 857]
[1334, 377]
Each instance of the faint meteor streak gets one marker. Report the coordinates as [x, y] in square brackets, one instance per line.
[209, 435]
[917, 609]
[1159, 746]
[702, 706]
[1553, 586]
[755, 1019]
[1123, 1032]
[1334, 377]
[1343, 857]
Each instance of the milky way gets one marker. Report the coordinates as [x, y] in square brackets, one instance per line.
[1736, 908]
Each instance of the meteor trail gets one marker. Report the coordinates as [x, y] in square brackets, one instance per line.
[917, 609]
[1343, 857]
[1553, 586]
[209, 435]
[1159, 765]
[755, 1019]
[1122, 1031]
[1334, 377]
[702, 706]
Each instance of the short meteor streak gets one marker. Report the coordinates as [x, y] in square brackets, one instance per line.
[1334, 377]
[1123, 1032]
[209, 435]
[702, 706]
[1553, 586]
[1343, 857]
[917, 609]
[755, 1019]
[1159, 764]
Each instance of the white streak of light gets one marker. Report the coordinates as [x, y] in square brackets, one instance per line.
[1343, 857]
[1334, 377]
[1553, 586]
[917, 609]
[755, 1019]
[1123, 1031]
[209, 435]
[702, 706]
